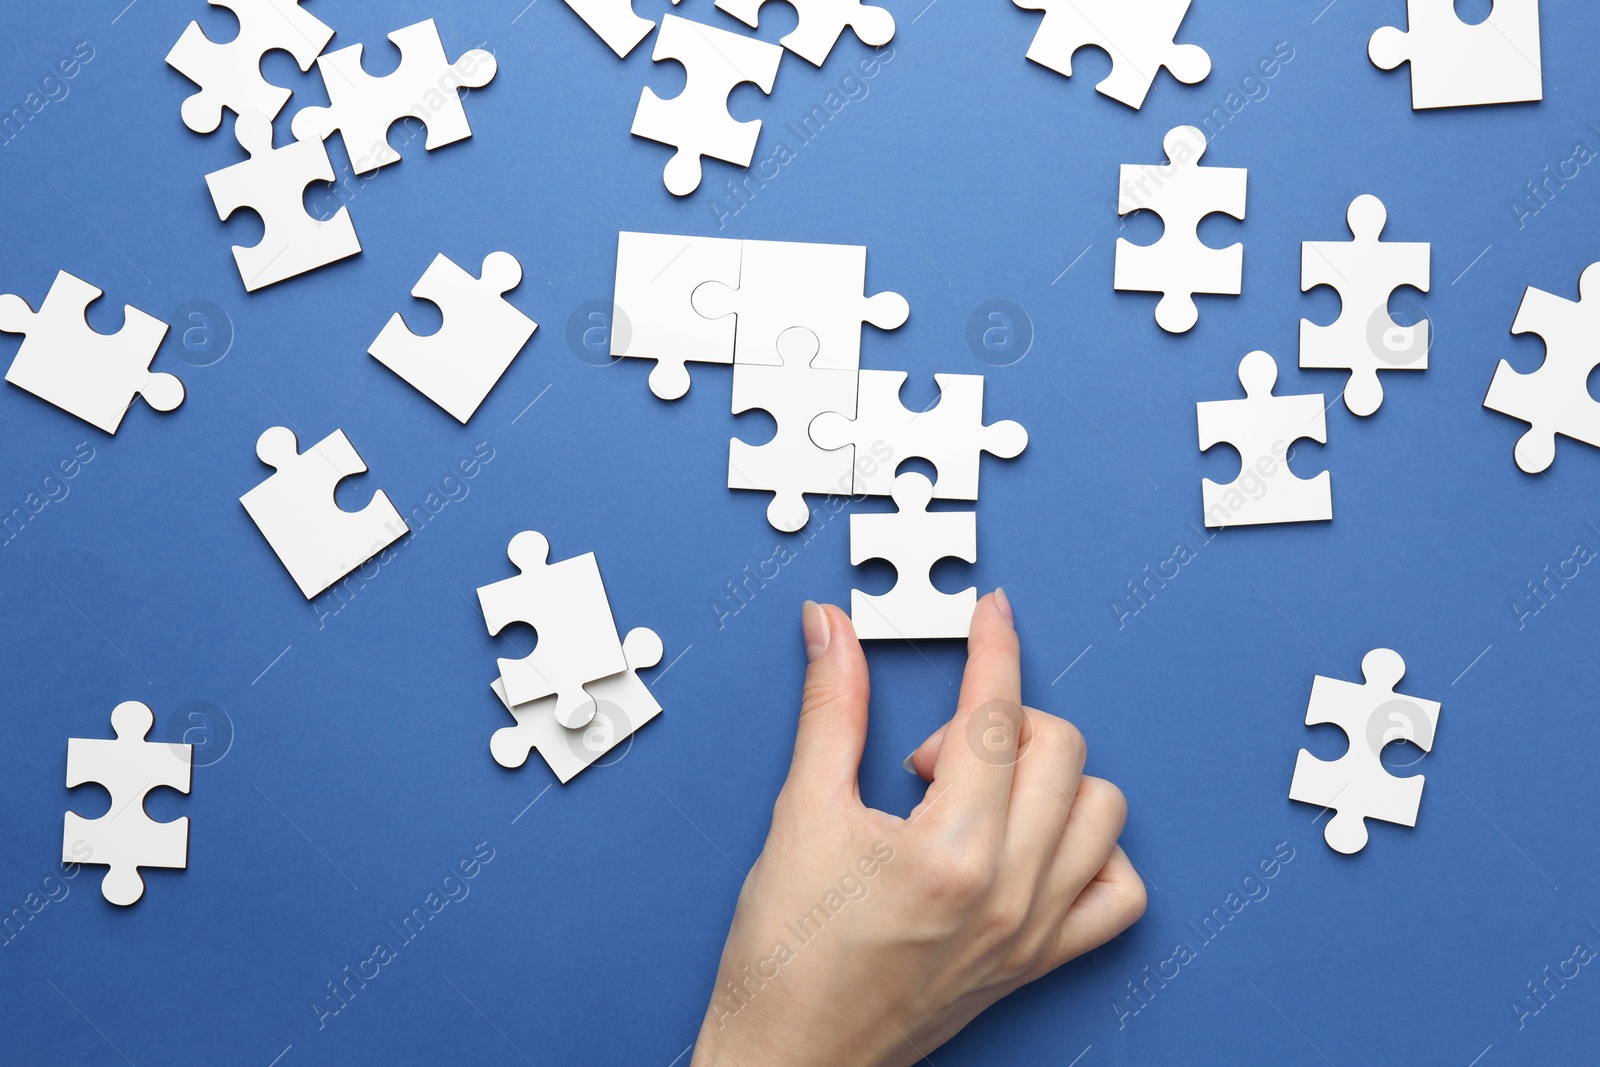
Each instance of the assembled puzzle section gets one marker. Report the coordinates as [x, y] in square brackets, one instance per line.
[822, 23]
[229, 73]
[653, 315]
[1138, 35]
[913, 540]
[1457, 64]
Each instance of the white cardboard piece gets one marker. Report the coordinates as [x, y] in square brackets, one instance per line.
[1180, 265]
[125, 838]
[1263, 427]
[317, 542]
[94, 376]
[1554, 399]
[1364, 339]
[423, 87]
[822, 22]
[615, 23]
[653, 315]
[1454, 64]
[1357, 785]
[913, 540]
[482, 333]
[1139, 35]
[229, 74]
[696, 122]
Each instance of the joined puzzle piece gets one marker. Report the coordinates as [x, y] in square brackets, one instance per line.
[1454, 64]
[822, 22]
[92, 375]
[229, 74]
[653, 315]
[1364, 339]
[615, 23]
[913, 540]
[317, 541]
[125, 838]
[1357, 785]
[482, 333]
[1139, 35]
[1180, 265]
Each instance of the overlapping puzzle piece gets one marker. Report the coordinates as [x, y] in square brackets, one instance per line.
[615, 23]
[653, 315]
[229, 74]
[1139, 35]
[913, 540]
[822, 22]
[1457, 64]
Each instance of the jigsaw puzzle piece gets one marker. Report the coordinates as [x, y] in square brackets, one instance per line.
[696, 122]
[653, 315]
[1554, 399]
[229, 74]
[822, 23]
[423, 87]
[1364, 339]
[1139, 35]
[94, 376]
[125, 838]
[482, 333]
[1454, 64]
[913, 540]
[614, 22]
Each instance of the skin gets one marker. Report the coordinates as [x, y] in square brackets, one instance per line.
[1008, 868]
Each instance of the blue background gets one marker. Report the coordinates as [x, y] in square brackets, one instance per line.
[344, 766]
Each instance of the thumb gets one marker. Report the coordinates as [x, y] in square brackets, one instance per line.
[833, 710]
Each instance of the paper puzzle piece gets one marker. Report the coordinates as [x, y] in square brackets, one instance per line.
[1180, 265]
[65, 362]
[229, 74]
[316, 540]
[1555, 398]
[1137, 34]
[615, 22]
[1454, 64]
[822, 22]
[272, 183]
[567, 607]
[696, 122]
[623, 703]
[423, 87]
[125, 838]
[913, 540]
[790, 464]
[1364, 339]
[817, 287]
[653, 315]
[950, 435]
[1263, 428]
[481, 335]
[1357, 786]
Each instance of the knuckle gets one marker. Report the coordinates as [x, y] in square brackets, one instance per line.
[959, 877]
[1061, 740]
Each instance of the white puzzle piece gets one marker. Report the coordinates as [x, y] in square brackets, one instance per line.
[125, 838]
[1180, 265]
[615, 23]
[1454, 64]
[653, 315]
[1139, 35]
[94, 376]
[317, 542]
[1357, 785]
[913, 540]
[950, 435]
[1263, 428]
[1554, 399]
[229, 74]
[623, 703]
[696, 122]
[791, 464]
[1364, 339]
[817, 287]
[567, 606]
[272, 183]
[822, 22]
[424, 87]
[481, 335]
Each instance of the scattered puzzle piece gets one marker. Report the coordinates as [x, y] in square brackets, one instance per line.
[1137, 34]
[1180, 265]
[1366, 271]
[1454, 64]
[1263, 427]
[615, 22]
[481, 335]
[1357, 785]
[423, 87]
[229, 74]
[1555, 398]
[696, 122]
[653, 315]
[913, 540]
[94, 376]
[822, 22]
[317, 542]
[125, 838]
[950, 435]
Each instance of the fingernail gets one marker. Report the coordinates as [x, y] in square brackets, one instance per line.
[814, 625]
[1003, 602]
[908, 765]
